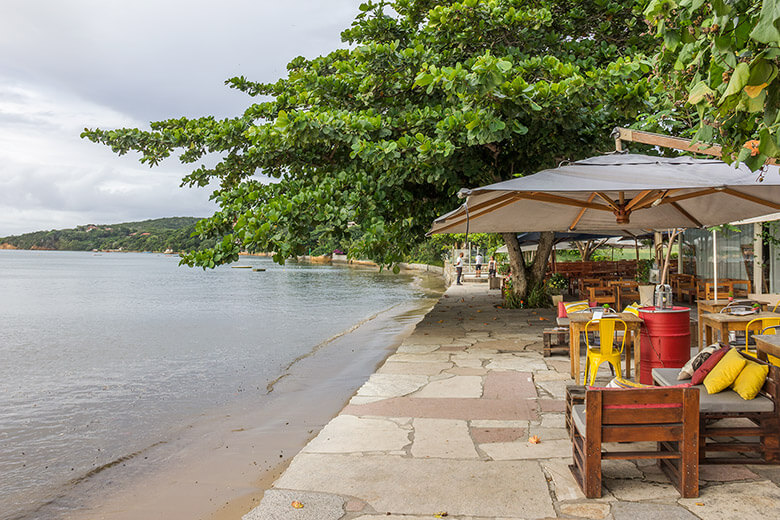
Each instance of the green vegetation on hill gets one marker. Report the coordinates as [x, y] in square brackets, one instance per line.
[173, 233]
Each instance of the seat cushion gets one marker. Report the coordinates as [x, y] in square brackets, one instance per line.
[563, 322]
[666, 376]
[578, 417]
[727, 401]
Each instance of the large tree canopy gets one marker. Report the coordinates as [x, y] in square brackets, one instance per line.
[431, 96]
[721, 58]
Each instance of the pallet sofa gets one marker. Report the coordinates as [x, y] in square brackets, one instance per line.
[755, 437]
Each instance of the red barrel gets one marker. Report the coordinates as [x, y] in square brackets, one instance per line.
[665, 340]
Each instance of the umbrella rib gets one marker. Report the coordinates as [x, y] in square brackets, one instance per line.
[566, 201]
[507, 199]
[690, 195]
[610, 202]
[686, 214]
[751, 198]
[636, 201]
[581, 213]
[497, 200]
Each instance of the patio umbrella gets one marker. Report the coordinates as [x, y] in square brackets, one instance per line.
[618, 192]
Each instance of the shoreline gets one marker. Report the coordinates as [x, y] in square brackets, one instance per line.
[220, 467]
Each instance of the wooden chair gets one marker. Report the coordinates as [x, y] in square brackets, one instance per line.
[629, 290]
[706, 290]
[603, 294]
[585, 283]
[684, 285]
[740, 288]
[668, 416]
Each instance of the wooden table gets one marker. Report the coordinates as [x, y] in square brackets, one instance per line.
[767, 344]
[707, 306]
[726, 323]
[577, 323]
[715, 306]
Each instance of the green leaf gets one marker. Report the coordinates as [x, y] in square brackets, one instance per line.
[423, 80]
[519, 128]
[698, 92]
[721, 7]
[503, 65]
[703, 135]
[739, 79]
[766, 30]
[767, 145]
[762, 72]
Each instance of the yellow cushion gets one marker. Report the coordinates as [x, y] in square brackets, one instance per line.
[725, 372]
[633, 308]
[750, 380]
[576, 306]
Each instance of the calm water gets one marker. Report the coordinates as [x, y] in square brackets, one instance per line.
[103, 355]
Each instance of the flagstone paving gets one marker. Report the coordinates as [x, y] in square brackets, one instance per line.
[444, 427]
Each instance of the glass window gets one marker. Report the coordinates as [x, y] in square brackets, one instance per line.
[734, 254]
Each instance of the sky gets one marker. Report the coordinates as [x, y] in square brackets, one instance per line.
[75, 64]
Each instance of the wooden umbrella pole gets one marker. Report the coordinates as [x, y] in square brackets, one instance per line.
[672, 236]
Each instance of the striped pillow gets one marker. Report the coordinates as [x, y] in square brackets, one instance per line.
[633, 308]
[581, 305]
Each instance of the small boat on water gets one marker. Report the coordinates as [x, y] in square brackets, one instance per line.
[258, 269]
[241, 267]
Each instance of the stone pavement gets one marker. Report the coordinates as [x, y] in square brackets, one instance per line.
[444, 425]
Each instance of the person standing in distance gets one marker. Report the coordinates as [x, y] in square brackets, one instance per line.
[492, 267]
[458, 269]
[478, 260]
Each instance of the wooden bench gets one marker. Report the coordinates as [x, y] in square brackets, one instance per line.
[668, 416]
[561, 345]
[761, 418]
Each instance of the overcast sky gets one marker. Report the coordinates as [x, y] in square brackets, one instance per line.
[67, 65]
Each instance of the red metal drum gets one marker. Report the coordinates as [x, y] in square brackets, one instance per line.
[665, 341]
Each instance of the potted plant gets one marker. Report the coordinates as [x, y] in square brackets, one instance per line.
[556, 285]
[646, 289]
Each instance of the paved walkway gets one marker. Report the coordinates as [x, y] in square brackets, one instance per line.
[443, 427]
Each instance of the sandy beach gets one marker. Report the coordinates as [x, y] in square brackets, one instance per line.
[219, 467]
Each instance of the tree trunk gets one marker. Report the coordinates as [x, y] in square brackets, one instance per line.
[516, 264]
[543, 250]
[524, 277]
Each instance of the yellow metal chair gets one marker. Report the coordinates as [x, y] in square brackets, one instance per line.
[606, 350]
[761, 326]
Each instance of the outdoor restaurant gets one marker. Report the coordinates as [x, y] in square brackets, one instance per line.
[694, 353]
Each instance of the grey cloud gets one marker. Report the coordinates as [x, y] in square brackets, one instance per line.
[95, 63]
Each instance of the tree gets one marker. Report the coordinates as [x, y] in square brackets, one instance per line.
[430, 97]
[719, 61]
[588, 247]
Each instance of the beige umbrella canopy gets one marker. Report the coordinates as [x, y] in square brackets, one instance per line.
[618, 192]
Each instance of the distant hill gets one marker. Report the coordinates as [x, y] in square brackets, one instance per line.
[149, 235]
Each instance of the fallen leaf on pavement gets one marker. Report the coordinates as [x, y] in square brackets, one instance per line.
[441, 514]
[297, 505]
[534, 439]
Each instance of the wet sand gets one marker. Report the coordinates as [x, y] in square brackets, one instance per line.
[218, 467]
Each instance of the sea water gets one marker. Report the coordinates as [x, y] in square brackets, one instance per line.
[102, 355]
